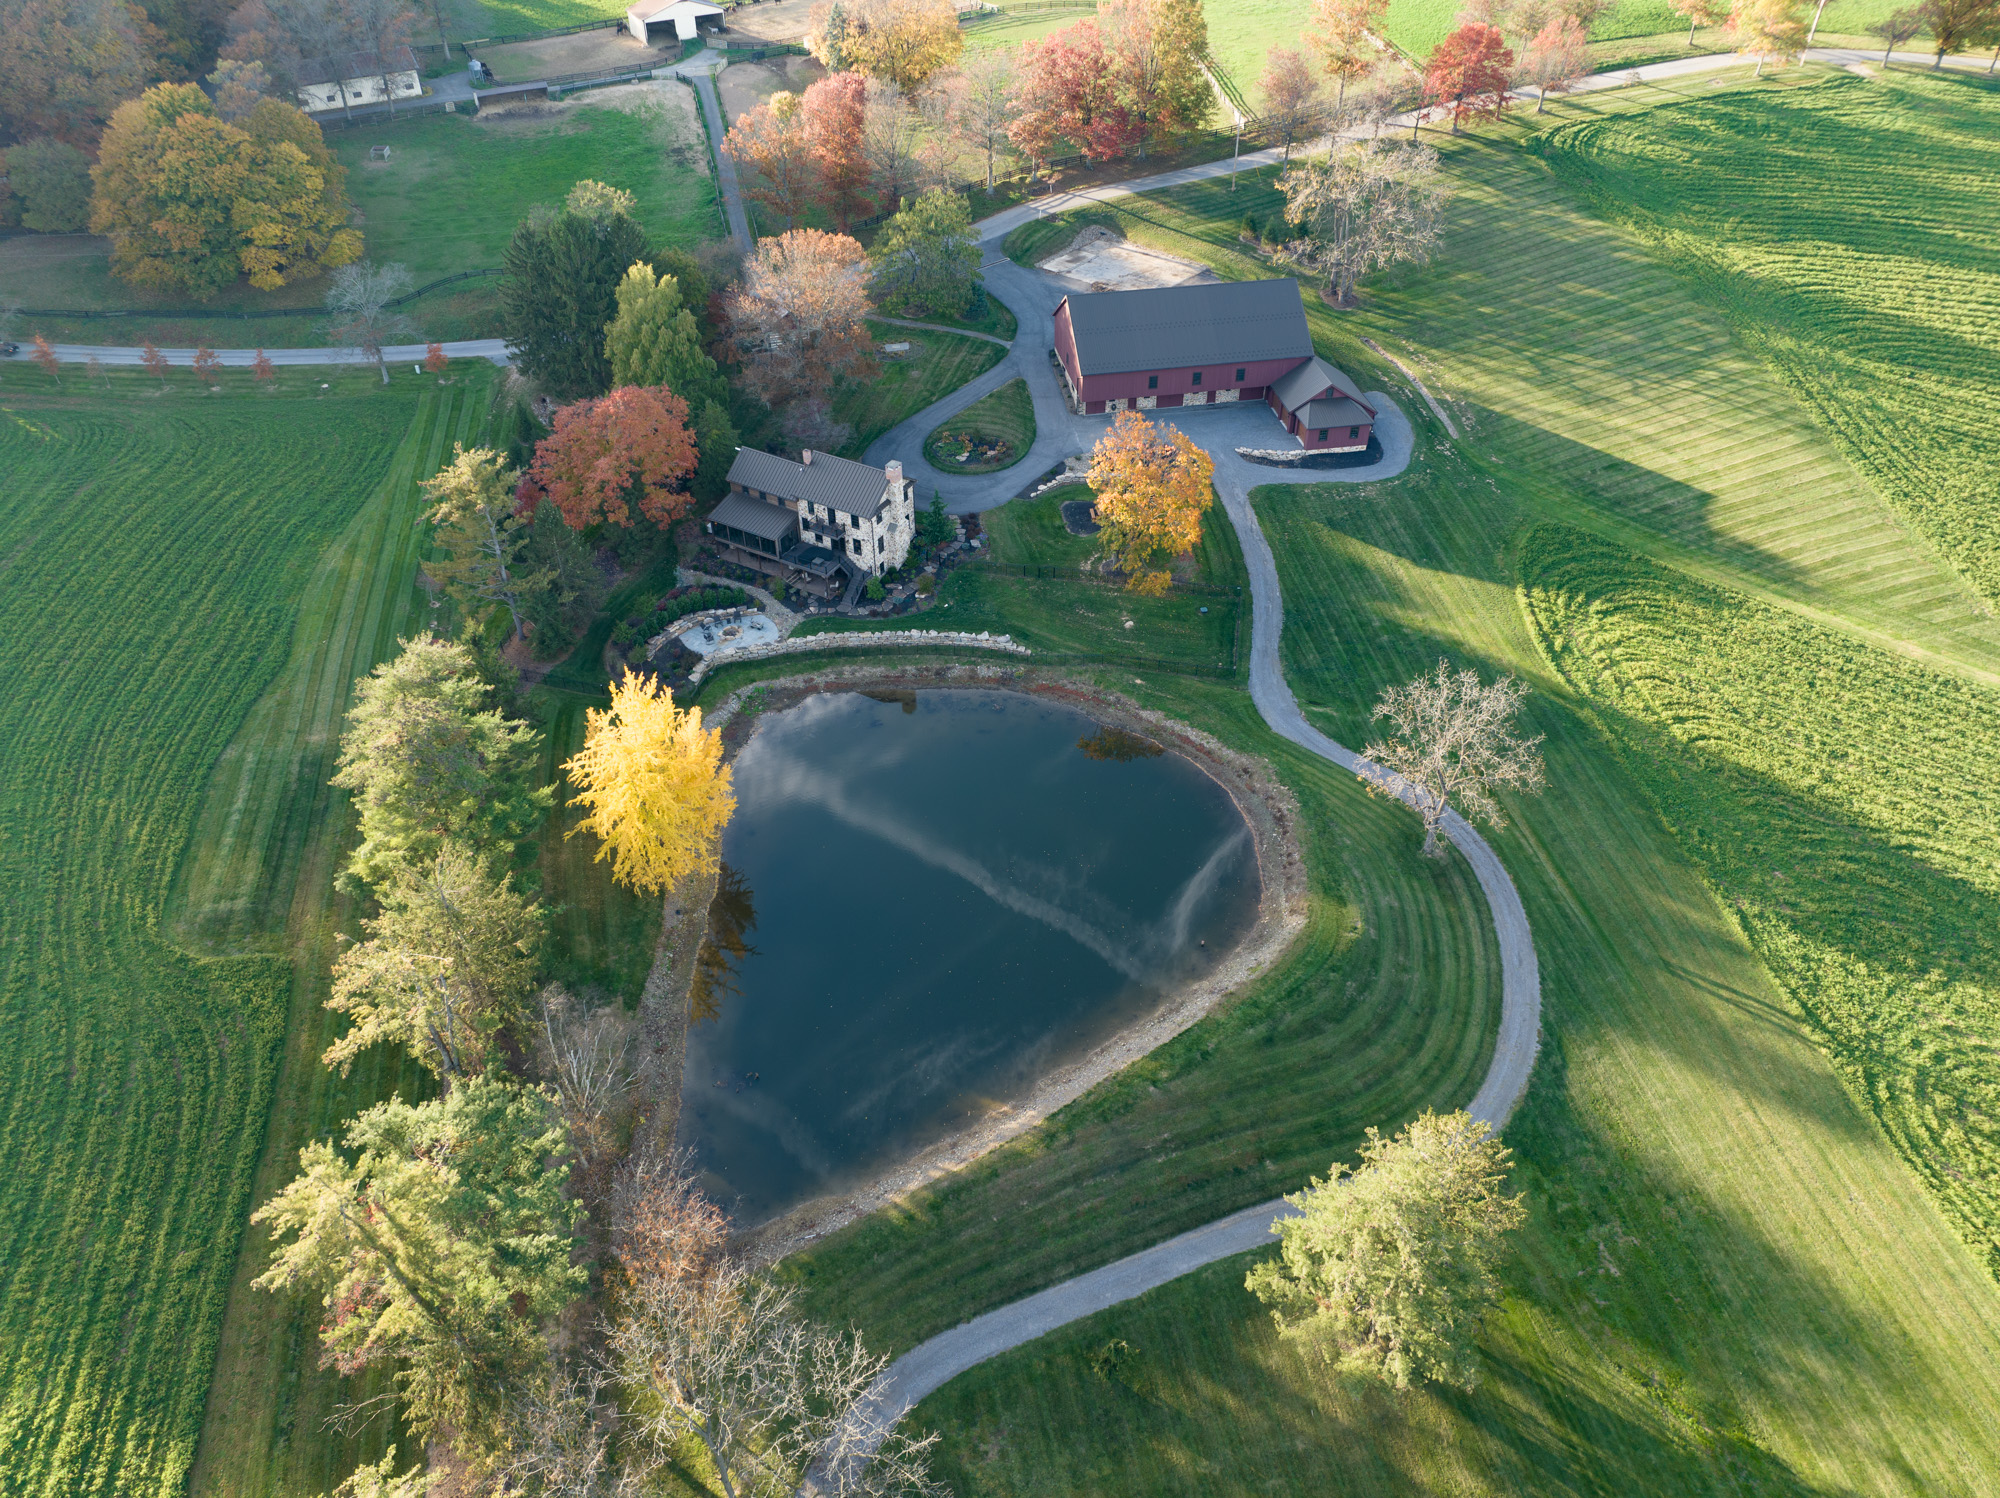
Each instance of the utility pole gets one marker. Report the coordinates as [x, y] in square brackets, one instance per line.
[1815, 25]
[1239, 144]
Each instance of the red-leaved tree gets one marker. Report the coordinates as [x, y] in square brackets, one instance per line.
[264, 370]
[434, 358]
[769, 148]
[1067, 91]
[1469, 71]
[207, 365]
[835, 110]
[605, 453]
[155, 362]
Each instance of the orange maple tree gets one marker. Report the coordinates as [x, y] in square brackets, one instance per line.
[154, 360]
[263, 369]
[46, 357]
[207, 364]
[1152, 487]
[834, 110]
[434, 358]
[604, 453]
[769, 148]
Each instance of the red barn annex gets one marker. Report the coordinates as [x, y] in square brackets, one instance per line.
[1208, 345]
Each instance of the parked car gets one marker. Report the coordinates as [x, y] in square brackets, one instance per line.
[9, 350]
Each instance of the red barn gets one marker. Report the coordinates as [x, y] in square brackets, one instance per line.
[1207, 345]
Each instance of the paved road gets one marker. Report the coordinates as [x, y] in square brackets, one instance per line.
[242, 358]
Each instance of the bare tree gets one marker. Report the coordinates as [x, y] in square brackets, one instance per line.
[1363, 206]
[382, 26]
[1895, 29]
[587, 1055]
[889, 139]
[799, 318]
[561, 1429]
[1294, 102]
[986, 107]
[358, 299]
[725, 1360]
[1558, 56]
[1454, 741]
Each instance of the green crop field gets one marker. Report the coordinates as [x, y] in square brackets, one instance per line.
[165, 562]
[1732, 1281]
[1839, 799]
[1871, 288]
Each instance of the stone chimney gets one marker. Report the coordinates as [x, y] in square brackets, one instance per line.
[894, 469]
[807, 457]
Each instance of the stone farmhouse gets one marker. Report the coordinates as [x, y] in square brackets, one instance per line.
[1205, 345]
[354, 78]
[824, 525]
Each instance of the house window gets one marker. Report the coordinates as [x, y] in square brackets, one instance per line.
[1197, 377]
[1239, 377]
[1322, 434]
[1152, 382]
[880, 546]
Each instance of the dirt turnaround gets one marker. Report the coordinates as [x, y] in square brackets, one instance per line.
[1267, 808]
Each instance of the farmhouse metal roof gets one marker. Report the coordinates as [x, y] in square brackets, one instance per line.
[839, 483]
[345, 65]
[772, 522]
[1313, 380]
[1180, 327]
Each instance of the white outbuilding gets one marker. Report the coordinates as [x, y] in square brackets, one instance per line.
[686, 17]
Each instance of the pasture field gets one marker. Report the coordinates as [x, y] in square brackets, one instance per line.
[446, 201]
[164, 555]
[1839, 799]
[1730, 1282]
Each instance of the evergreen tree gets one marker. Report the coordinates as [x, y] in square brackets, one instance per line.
[576, 583]
[448, 962]
[654, 340]
[428, 760]
[439, 1239]
[482, 537]
[716, 439]
[561, 289]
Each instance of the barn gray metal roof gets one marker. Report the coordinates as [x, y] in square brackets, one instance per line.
[840, 483]
[1181, 327]
[772, 522]
[1339, 412]
[1312, 380]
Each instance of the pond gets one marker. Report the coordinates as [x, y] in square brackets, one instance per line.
[929, 900]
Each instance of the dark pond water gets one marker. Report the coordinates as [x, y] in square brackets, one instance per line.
[930, 899]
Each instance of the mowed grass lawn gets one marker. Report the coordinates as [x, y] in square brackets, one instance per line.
[903, 384]
[1730, 1282]
[163, 553]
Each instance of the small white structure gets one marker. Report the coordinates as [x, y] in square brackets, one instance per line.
[352, 78]
[685, 16]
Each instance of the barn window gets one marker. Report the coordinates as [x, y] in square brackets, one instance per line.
[1152, 382]
[1322, 434]
[1353, 432]
[1239, 377]
[1197, 377]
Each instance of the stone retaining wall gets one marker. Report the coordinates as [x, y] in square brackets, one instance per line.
[799, 645]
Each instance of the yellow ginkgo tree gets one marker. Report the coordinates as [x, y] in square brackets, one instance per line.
[656, 789]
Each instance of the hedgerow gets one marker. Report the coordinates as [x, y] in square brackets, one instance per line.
[1839, 801]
